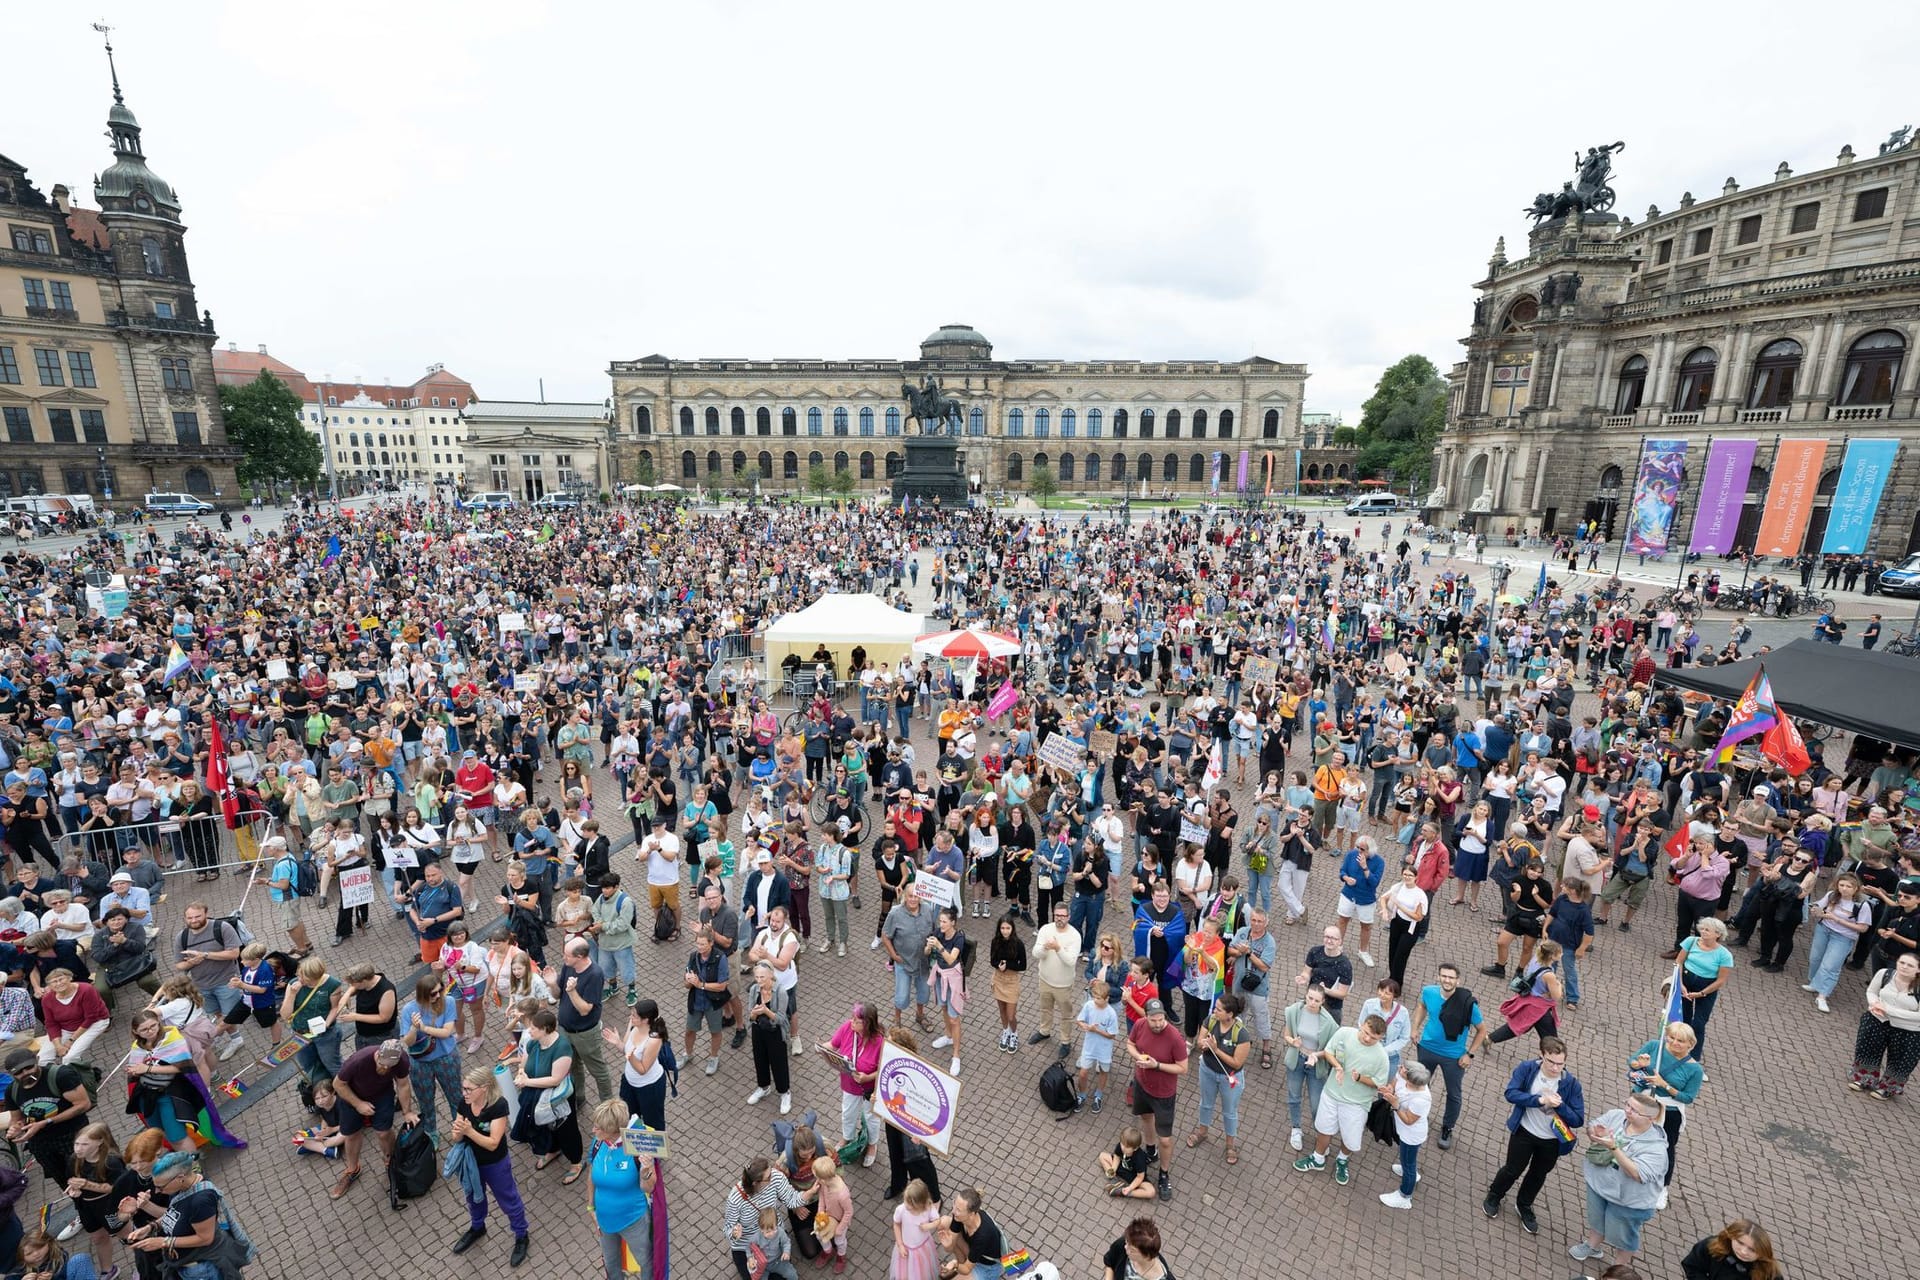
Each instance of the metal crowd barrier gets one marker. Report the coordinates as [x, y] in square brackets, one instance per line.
[237, 849]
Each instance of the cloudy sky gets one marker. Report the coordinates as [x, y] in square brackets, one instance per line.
[530, 190]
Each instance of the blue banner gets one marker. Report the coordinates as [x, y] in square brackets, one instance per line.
[1856, 499]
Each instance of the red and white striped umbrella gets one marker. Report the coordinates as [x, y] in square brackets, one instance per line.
[970, 642]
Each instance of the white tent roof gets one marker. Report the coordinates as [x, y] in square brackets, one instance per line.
[846, 618]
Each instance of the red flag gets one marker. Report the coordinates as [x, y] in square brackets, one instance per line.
[1676, 844]
[1782, 745]
[220, 778]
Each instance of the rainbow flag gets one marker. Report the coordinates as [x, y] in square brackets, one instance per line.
[177, 663]
[1753, 715]
[1329, 638]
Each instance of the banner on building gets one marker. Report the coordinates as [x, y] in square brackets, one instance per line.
[1240, 483]
[1723, 496]
[1796, 475]
[1856, 499]
[1663, 463]
[1218, 460]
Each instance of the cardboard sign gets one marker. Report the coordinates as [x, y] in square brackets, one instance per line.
[1192, 832]
[1061, 752]
[278, 670]
[937, 889]
[916, 1097]
[356, 887]
[1262, 671]
[1102, 743]
[527, 682]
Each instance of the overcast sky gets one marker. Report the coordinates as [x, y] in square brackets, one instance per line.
[526, 190]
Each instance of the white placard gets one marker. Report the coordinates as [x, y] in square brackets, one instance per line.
[512, 622]
[277, 669]
[1061, 752]
[937, 889]
[916, 1097]
[403, 857]
[356, 887]
[526, 682]
[1192, 832]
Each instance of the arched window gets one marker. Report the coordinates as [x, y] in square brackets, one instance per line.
[895, 464]
[840, 420]
[1225, 430]
[789, 423]
[1199, 424]
[815, 459]
[1695, 387]
[1066, 461]
[642, 420]
[1143, 467]
[1313, 472]
[1196, 467]
[763, 422]
[1042, 424]
[866, 420]
[198, 482]
[841, 461]
[765, 463]
[713, 463]
[689, 468]
[353, 439]
[1774, 371]
[1873, 368]
[738, 421]
[1146, 424]
[1069, 424]
[1016, 465]
[1270, 425]
[383, 439]
[1521, 314]
[1040, 460]
[151, 256]
[789, 465]
[1632, 388]
[1095, 427]
[739, 462]
[1169, 468]
[1119, 424]
[1093, 466]
[1343, 473]
[814, 420]
[893, 420]
[976, 420]
[866, 464]
[711, 420]
[686, 420]
[1016, 422]
[1173, 424]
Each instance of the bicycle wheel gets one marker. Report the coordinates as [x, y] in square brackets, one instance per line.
[817, 806]
[792, 722]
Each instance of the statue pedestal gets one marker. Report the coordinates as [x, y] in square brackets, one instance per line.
[932, 471]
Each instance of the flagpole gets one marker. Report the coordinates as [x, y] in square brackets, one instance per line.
[1620, 550]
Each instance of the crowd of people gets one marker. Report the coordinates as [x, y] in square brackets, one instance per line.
[538, 745]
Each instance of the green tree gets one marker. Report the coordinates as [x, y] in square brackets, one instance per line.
[263, 420]
[1402, 421]
[1041, 484]
[1345, 436]
[819, 479]
[642, 469]
[842, 481]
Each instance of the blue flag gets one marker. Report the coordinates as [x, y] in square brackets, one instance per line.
[333, 550]
[1540, 587]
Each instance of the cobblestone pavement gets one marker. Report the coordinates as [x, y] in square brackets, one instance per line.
[1776, 1135]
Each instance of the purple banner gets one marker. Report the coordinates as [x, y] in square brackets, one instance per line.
[1723, 495]
[1650, 520]
[1241, 483]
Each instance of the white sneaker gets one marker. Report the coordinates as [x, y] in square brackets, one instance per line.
[1661, 1203]
[786, 1103]
[941, 1042]
[874, 945]
[1293, 1140]
[1394, 1200]
[1808, 986]
[1416, 1179]
[953, 1067]
[1366, 958]
[840, 951]
[69, 1231]
[799, 1046]
[234, 1044]
[824, 947]
[756, 1095]
[1820, 1003]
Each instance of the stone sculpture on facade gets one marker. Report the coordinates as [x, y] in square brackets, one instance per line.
[937, 414]
[1587, 193]
[1897, 139]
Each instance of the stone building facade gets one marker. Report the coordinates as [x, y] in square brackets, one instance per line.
[1098, 425]
[534, 448]
[106, 371]
[1785, 311]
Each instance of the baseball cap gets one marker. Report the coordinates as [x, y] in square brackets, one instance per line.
[1156, 1006]
[389, 1052]
[1910, 885]
[1591, 813]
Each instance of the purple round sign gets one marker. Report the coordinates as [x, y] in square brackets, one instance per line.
[914, 1096]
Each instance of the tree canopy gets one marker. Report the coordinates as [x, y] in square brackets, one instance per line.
[1401, 422]
[263, 420]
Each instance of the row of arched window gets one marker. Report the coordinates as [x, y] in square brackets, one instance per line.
[1870, 375]
[690, 464]
[1091, 468]
[1096, 422]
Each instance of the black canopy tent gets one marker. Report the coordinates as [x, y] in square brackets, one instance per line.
[1876, 694]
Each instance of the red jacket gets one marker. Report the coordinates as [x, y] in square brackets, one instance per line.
[1432, 864]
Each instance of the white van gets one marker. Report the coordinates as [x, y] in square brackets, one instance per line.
[1374, 504]
[176, 504]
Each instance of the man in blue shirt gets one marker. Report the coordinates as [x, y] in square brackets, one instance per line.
[1360, 874]
[1448, 1028]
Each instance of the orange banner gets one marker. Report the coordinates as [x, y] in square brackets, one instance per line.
[1796, 474]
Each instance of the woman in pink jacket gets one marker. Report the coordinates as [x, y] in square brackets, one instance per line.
[857, 1046]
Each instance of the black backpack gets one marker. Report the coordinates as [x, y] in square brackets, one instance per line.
[1057, 1091]
[666, 923]
[412, 1172]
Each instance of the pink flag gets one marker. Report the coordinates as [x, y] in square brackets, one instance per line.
[1003, 699]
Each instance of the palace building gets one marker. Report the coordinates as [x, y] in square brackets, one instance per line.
[106, 372]
[1100, 426]
[1783, 315]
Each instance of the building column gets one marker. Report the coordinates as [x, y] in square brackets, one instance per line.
[1539, 475]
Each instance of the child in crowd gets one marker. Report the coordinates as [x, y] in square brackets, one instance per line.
[915, 1253]
[832, 1212]
[771, 1244]
[1099, 1022]
[1140, 988]
[258, 983]
[323, 1138]
[1129, 1165]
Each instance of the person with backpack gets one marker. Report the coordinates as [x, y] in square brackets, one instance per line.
[208, 951]
[612, 934]
[195, 1233]
[287, 884]
[46, 1106]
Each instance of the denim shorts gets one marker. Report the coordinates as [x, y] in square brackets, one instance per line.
[1617, 1225]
